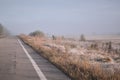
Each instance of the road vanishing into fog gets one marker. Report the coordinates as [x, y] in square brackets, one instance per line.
[20, 62]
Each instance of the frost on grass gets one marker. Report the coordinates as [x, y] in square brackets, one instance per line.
[81, 60]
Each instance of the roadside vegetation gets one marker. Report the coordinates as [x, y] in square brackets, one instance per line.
[80, 60]
[37, 34]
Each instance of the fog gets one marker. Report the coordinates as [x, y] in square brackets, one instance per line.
[61, 17]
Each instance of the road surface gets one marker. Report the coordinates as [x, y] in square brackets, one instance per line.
[19, 62]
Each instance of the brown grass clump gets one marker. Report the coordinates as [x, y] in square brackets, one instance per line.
[76, 69]
[105, 59]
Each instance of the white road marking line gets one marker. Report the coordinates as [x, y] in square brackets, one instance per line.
[37, 69]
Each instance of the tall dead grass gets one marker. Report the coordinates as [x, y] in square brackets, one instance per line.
[76, 69]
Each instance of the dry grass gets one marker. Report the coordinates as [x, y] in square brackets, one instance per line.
[76, 69]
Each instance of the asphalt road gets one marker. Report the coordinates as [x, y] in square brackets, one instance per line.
[19, 62]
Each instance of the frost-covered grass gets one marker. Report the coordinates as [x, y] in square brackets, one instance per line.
[78, 59]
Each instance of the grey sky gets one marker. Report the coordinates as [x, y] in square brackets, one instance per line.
[61, 16]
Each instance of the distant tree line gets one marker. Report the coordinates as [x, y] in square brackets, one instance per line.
[3, 31]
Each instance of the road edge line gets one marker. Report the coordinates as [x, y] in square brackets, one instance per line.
[37, 69]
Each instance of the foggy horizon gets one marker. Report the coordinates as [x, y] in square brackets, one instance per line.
[61, 17]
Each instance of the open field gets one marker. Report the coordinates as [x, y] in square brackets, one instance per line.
[93, 59]
[103, 37]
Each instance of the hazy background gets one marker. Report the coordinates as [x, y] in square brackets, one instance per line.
[61, 17]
